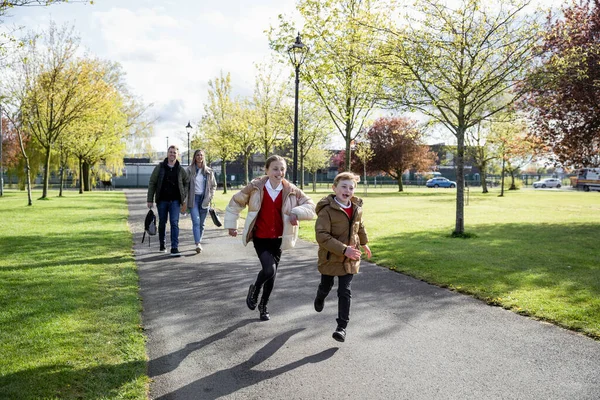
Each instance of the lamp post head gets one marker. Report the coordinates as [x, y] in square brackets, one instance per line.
[188, 127]
[297, 52]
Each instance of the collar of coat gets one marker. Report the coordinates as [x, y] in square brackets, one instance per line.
[329, 200]
[166, 163]
[288, 188]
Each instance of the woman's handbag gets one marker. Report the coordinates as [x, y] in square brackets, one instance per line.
[214, 216]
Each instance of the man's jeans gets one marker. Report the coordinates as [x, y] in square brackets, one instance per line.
[170, 209]
[198, 217]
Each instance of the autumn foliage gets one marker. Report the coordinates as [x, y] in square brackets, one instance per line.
[563, 94]
[397, 144]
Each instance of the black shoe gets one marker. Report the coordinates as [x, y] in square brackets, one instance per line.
[252, 297]
[319, 304]
[264, 314]
[175, 252]
[339, 334]
[163, 249]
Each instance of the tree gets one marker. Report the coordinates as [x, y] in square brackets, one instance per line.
[246, 138]
[397, 146]
[365, 154]
[313, 131]
[59, 89]
[218, 122]
[563, 93]
[479, 148]
[270, 111]
[457, 65]
[514, 148]
[335, 68]
[315, 159]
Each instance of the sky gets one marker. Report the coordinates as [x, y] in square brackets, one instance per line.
[170, 49]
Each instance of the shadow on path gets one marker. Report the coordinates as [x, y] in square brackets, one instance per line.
[225, 382]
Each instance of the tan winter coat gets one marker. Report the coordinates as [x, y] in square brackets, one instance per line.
[294, 202]
[209, 186]
[334, 232]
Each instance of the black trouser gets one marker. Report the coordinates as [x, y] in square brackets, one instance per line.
[344, 295]
[269, 254]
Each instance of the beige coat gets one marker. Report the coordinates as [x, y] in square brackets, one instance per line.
[334, 232]
[294, 202]
[209, 186]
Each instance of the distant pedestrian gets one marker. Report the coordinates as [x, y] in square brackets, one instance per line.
[274, 208]
[168, 188]
[200, 194]
[340, 233]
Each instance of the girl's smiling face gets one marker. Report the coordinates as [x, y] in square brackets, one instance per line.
[276, 173]
[344, 191]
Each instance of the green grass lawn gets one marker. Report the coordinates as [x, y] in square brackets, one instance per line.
[70, 314]
[535, 252]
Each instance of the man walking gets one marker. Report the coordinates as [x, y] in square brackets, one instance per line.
[168, 187]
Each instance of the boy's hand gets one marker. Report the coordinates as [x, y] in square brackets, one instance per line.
[233, 232]
[367, 250]
[352, 253]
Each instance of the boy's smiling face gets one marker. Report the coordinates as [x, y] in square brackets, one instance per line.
[344, 190]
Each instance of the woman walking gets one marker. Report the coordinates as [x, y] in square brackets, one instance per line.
[200, 194]
[274, 208]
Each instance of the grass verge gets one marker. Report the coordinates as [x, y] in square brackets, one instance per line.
[70, 314]
[532, 251]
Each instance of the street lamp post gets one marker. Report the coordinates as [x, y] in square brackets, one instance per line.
[188, 129]
[297, 53]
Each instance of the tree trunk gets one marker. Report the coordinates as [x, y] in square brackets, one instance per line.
[86, 177]
[27, 168]
[459, 227]
[46, 174]
[512, 181]
[502, 179]
[399, 179]
[483, 175]
[224, 169]
[80, 176]
[314, 181]
[246, 175]
[60, 185]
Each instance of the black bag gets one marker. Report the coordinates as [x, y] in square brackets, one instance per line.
[149, 226]
[215, 217]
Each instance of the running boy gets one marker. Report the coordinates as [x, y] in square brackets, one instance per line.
[340, 233]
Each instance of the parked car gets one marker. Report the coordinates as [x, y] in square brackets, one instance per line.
[440, 181]
[547, 183]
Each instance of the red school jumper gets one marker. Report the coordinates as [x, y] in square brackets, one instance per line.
[269, 223]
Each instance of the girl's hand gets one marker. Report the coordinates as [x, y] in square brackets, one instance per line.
[367, 250]
[293, 219]
[233, 232]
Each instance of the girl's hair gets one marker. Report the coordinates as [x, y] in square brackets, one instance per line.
[275, 157]
[346, 176]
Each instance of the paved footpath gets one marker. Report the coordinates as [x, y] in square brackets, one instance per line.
[406, 339]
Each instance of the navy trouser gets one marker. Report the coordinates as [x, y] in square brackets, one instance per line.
[344, 295]
[269, 254]
[170, 210]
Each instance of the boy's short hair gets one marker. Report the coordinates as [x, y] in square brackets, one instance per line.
[346, 176]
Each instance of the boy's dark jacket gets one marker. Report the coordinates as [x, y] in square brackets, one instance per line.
[334, 231]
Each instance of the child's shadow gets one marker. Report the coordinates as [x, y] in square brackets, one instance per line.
[169, 362]
[228, 381]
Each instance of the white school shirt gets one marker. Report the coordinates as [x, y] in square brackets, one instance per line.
[199, 186]
[273, 193]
